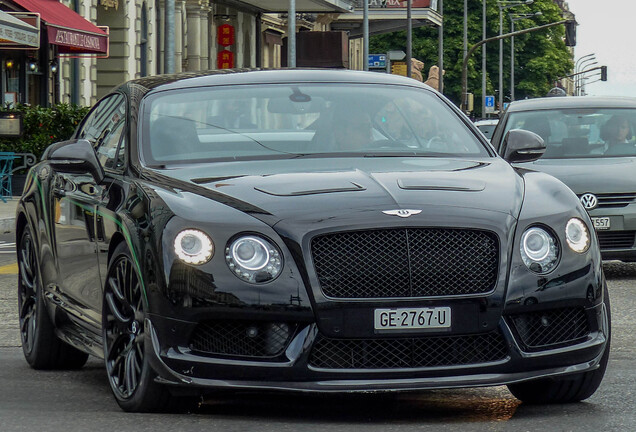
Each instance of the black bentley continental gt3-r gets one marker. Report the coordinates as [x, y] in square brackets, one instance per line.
[309, 231]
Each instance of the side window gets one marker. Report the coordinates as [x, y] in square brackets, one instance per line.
[104, 128]
[107, 150]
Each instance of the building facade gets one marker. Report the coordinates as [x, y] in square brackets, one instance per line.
[254, 37]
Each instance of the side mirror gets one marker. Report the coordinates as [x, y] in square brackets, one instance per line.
[74, 156]
[522, 146]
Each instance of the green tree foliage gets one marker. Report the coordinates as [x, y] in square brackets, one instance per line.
[43, 126]
[540, 57]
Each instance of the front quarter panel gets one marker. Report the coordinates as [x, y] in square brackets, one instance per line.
[550, 204]
[191, 291]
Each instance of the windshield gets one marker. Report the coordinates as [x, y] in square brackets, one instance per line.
[487, 129]
[294, 120]
[580, 133]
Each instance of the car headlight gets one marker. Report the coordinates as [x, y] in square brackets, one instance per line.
[193, 246]
[539, 250]
[577, 235]
[254, 259]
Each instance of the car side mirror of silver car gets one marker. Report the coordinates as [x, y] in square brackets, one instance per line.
[74, 156]
[522, 146]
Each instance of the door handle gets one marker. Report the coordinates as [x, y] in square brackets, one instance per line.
[59, 193]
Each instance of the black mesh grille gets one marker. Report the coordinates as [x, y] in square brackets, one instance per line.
[410, 262]
[553, 327]
[407, 353]
[615, 239]
[254, 339]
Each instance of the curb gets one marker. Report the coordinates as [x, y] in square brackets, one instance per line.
[7, 225]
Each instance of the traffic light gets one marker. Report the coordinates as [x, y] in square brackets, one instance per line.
[570, 33]
[603, 73]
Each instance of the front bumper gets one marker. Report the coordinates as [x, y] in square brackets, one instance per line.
[619, 242]
[182, 367]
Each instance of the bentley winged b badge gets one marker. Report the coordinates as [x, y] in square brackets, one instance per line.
[404, 213]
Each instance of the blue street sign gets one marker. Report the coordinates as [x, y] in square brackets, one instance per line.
[489, 102]
[377, 61]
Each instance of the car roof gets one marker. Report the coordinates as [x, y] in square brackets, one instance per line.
[572, 102]
[486, 122]
[265, 76]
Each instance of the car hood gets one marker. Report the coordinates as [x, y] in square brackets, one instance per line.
[322, 188]
[598, 175]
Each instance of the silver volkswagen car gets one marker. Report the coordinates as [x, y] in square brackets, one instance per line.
[591, 147]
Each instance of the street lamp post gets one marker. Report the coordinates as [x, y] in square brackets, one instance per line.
[472, 49]
[584, 64]
[483, 61]
[513, 19]
[577, 69]
[503, 5]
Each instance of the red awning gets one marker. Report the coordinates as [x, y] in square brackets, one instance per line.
[71, 32]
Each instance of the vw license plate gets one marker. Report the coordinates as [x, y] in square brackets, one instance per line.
[412, 318]
[601, 223]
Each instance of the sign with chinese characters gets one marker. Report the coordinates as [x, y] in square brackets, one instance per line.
[225, 35]
[225, 59]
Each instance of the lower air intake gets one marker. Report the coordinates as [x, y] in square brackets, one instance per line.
[407, 352]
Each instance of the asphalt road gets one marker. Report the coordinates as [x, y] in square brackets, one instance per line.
[57, 401]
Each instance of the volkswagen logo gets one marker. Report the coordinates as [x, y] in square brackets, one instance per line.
[404, 213]
[589, 201]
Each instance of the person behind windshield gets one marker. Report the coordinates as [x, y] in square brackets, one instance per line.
[235, 115]
[352, 131]
[617, 134]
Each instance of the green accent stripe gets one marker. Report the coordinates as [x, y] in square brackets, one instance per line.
[123, 228]
[126, 234]
[44, 207]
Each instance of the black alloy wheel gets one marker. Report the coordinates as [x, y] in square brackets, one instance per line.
[42, 348]
[123, 328]
[131, 377]
[27, 291]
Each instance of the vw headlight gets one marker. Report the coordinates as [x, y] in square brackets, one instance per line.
[539, 250]
[193, 246]
[254, 259]
[577, 235]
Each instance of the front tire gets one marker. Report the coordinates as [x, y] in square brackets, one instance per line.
[42, 348]
[567, 389]
[131, 378]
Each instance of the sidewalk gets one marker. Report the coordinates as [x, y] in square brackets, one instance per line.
[7, 215]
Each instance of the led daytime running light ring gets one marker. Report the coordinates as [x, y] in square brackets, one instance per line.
[584, 244]
[203, 255]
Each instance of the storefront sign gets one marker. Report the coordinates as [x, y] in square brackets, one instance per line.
[78, 41]
[15, 32]
[398, 3]
[225, 59]
[10, 125]
[225, 35]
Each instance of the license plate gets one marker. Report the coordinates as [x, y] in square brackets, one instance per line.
[601, 223]
[412, 318]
